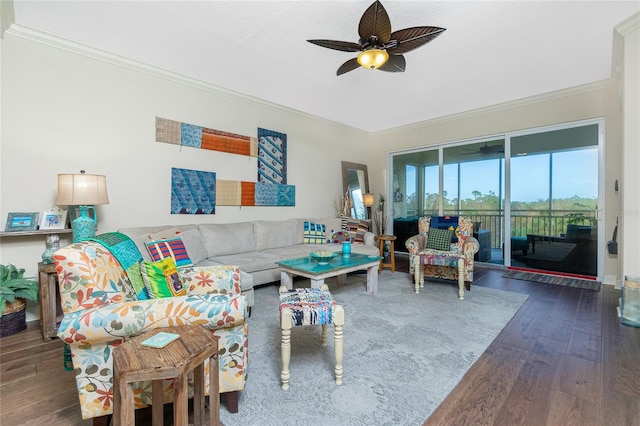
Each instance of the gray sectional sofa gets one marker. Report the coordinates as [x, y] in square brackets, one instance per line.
[253, 246]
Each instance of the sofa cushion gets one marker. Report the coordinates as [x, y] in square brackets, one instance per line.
[174, 248]
[275, 233]
[162, 278]
[249, 262]
[228, 238]
[194, 245]
[314, 233]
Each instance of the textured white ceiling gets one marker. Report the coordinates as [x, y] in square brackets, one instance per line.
[492, 51]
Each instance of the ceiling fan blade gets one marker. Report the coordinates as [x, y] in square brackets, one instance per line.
[396, 63]
[411, 38]
[375, 22]
[344, 46]
[350, 65]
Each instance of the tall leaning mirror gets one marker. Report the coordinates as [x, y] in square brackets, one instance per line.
[355, 181]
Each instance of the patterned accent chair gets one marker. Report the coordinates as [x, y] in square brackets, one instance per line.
[455, 264]
[101, 311]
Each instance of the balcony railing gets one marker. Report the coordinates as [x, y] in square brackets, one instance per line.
[523, 222]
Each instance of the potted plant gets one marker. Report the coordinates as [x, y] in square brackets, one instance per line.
[14, 289]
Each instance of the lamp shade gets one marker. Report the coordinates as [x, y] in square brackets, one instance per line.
[82, 190]
[368, 200]
[373, 58]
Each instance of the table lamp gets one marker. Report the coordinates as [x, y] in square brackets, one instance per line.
[85, 191]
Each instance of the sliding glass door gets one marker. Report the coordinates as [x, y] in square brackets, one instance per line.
[532, 195]
[554, 198]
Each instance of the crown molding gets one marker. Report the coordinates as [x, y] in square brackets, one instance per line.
[630, 24]
[42, 37]
[602, 84]
[7, 16]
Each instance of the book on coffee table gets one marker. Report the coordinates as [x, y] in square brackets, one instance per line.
[160, 340]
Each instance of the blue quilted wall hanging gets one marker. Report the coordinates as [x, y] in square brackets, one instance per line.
[193, 192]
[272, 157]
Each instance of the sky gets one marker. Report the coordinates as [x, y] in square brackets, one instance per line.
[574, 173]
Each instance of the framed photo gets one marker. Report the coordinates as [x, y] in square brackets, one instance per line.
[21, 222]
[55, 218]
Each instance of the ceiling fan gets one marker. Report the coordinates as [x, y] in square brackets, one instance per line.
[486, 149]
[379, 47]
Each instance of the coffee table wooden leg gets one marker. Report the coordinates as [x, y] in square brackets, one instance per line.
[285, 346]
[317, 283]
[286, 279]
[198, 395]
[341, 279]
[157, 408]
[214, 390]
[180, 401]
[338, 343]
[372, 280]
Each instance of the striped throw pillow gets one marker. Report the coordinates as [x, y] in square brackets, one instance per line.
[174, 248]
[314, 233]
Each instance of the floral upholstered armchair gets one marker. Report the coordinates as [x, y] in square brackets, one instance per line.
[446, 253]
[102, 309]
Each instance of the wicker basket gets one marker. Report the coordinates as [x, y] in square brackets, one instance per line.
[14, 318]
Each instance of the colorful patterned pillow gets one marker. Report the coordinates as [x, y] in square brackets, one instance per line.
[357, 228]
[314, 233]
[162, 279]
[173, 248]
[439, 239]
[340, 237]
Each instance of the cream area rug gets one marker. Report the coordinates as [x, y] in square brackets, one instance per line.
[403, 354]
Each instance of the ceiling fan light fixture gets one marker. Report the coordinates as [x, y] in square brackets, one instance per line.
[373, 58]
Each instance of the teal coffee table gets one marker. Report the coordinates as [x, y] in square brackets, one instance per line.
[338, 267]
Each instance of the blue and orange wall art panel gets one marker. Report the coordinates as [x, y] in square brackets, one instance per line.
[194, 136]
[193, 192]
[272, 157]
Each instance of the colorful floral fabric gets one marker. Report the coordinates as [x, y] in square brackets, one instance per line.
[308, 306]
[101, 312]
[465, 247]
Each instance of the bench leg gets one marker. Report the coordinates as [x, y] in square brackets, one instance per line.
[416, 272]
[461, 279]
[338, 342]
[285, 346]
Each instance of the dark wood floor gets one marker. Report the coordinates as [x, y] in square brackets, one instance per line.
[564, 359]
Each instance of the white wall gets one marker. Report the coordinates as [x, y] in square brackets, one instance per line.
[630, 219]
[63, 112]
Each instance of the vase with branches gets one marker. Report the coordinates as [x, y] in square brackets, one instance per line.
[380, 218]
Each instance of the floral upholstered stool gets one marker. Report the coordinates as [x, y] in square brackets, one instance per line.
[309, 306]
[435, 258]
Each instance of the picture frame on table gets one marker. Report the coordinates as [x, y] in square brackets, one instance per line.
[22, 221]
[55, 218]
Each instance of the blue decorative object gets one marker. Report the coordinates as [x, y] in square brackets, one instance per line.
[193, 192]
[346, 248]
[83, 226]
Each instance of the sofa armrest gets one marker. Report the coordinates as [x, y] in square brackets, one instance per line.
[370, 239]
[416, 243]
[114, 321]
[211, 279]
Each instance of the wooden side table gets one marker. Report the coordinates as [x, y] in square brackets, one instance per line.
[50, 311]
[383, 238]
[133, 362]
